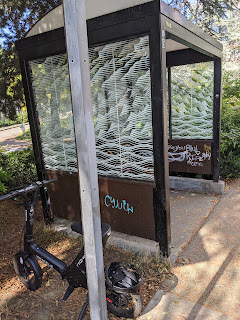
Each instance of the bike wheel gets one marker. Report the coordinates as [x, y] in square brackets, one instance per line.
[28, 270]
[124, 305]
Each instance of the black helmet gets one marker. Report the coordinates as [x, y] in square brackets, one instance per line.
[123, 278]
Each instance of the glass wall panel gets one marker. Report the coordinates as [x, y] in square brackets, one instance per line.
[121, 94]
[192, 101]
[53, 103]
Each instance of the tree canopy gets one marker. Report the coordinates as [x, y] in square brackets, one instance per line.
[11, 92]
[205, 13]
[18, 16]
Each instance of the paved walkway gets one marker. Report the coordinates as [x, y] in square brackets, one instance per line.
[189, 211]
[208, 270]
[8, 138]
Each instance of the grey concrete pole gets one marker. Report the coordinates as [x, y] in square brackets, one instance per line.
[77, 51]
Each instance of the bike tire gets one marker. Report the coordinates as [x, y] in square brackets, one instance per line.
[28, 270]
[131, 309]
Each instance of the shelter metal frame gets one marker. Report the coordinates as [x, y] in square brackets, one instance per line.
[160, 22]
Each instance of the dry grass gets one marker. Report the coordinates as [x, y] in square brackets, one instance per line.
[16, 302]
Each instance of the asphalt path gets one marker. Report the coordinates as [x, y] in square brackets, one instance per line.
[206, 278]
[8, 138]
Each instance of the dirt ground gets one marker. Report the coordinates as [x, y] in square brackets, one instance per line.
[16, 302]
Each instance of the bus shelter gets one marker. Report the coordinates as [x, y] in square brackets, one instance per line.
[156, 94]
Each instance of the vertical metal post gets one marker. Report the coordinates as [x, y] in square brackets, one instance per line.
[78, 62]
[217, 101]
[170, 102]
[35, 133]
[160, 136]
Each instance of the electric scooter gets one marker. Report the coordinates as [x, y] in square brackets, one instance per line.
[123, 282]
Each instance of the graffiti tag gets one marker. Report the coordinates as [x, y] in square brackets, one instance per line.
[189, 153]
[115, 203]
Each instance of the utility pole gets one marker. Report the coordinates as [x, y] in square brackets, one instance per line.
[78, 62]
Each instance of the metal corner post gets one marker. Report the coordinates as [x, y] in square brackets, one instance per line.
[170, 101]
[78, 62]
[217, 101]
[160, 136]
[35, 133]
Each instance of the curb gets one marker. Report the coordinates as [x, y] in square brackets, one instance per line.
[13, 126]
[197, 185]
[117, 239]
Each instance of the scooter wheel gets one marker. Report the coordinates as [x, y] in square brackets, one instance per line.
[124, 305]
[28, 270]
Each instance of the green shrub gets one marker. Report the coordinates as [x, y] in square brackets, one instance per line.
[25, 136]
[231, 88]
[20, 166]
[19, 117]
[4, 176]
[7, 122]
[230, 137]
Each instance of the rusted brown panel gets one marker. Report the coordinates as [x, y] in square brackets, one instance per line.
[135, 216]
[64, 194]
[193, 156]
[128, 206]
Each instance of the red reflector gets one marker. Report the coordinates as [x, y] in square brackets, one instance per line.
[140, 289]
[109, 300]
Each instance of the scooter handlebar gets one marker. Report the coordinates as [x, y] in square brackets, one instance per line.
[33, 186]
